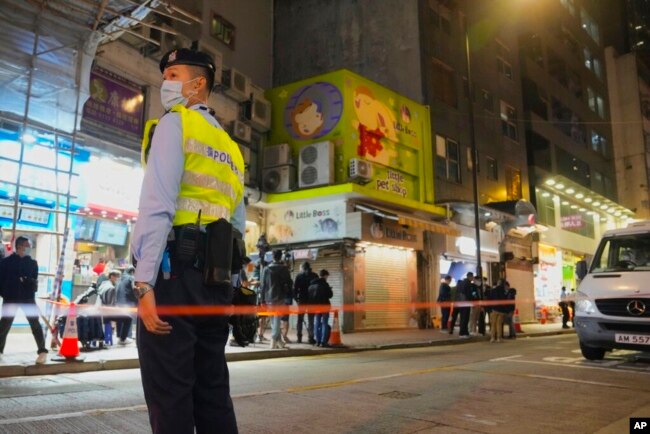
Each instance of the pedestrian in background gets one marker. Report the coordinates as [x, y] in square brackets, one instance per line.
[498, 311]
[564, 306]
[464, 289]
[3, 251]
[284, 319]
[125, 299]
[18, 287]
[320, 293]
[475, 309]
[511, 296]
[301, 292]
[192, 194]
[106, 297]
[276, 287]
[444, 297]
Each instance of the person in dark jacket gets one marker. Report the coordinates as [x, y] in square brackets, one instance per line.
[276, 286]
[301, 292]
[125, 298]
[464, 291]
[444, 296]
[18, 286]
[498, 311]
[320, 293]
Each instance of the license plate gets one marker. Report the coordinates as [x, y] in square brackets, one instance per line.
[632, 339]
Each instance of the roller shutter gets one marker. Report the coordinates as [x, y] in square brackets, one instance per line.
[386, 283]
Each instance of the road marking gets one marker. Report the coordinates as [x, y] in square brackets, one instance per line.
[566, 365]
[573, 380]
[500, 359]
[93, 412]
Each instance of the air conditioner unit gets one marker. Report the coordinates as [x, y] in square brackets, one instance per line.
[279, 179]
[246, 153]
[277, 155]
[360, 171]
[218, 61]
[258, 111]
[240, 131]
[316, 164]
[236, 85]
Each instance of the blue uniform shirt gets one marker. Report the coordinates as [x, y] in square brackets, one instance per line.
[160, 188]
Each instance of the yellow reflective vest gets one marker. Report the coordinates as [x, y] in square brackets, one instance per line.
[213, 172]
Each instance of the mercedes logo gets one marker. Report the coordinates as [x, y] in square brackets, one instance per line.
[636, 307]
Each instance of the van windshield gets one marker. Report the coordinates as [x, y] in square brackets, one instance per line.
[623, 253]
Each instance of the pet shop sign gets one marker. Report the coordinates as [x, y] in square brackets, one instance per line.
[320, 221]
[392, 183]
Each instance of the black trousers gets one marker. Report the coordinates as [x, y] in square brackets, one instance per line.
[463, 312]
[9, 309]
[445, 317]
[184, 374]
[310, 325]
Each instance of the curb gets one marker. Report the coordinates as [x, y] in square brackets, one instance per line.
[110, 365]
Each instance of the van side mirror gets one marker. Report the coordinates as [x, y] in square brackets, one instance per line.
[581, 269]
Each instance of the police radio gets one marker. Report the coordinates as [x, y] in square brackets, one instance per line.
[188, 240]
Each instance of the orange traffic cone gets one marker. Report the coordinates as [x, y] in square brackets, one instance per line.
[515, 321]
[69, 351]
[335, 334]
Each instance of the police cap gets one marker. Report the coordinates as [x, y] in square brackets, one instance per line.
[186, 56]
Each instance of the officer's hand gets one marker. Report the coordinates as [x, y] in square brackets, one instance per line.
[149, 316]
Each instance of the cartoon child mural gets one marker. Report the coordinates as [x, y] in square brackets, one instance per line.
[374, 122]
[307, 118]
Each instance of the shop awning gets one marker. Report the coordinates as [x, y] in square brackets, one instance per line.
[427, 226]
[408, 220]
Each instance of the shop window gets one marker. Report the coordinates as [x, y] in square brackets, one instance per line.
[447, 159]
[508, 121]
[545, 208]
[492, 168]
[513, 183]
[576, 219]
[223, 30]
[503, 61]
[443, 84]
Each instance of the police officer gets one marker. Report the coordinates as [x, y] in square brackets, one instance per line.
[192, 169]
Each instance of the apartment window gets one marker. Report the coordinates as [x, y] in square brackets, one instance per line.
[492, 169]
[531, 45]
[487, 101]
[590, 26]
[575, 85]
[513, 183]
[569, 41]
[447, 159]
[592, 63]
[503, 63]
[572, 167]
[441, 17]
[223, 30]
[570, 6]
[596, 102]
[444, 84]
[535, 98]
[508, 121]
[598, 183]
[578, 130]
[557, 68]
[598, 143]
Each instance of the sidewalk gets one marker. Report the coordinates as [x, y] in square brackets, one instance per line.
[20, 351]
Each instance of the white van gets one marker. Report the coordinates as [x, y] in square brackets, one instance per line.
[613, 299]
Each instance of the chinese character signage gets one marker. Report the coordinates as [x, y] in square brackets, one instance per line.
[571, 221]
[115, 103]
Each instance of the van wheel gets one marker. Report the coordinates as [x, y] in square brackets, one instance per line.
[591, 353]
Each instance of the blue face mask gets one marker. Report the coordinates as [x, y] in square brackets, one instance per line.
[171, 93]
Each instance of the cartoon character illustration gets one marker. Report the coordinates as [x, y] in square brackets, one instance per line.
[373, 114]
[307, 118]
[329, 226]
